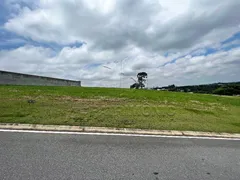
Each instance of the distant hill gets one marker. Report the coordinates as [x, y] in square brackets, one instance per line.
[230, 88]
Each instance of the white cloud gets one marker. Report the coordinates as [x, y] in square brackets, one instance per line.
[73, 63]
[115, 24]
[140, 32]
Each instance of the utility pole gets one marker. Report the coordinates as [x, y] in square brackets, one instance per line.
[121, 70]
[121, 73]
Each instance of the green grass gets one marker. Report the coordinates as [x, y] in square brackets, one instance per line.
[112, 107]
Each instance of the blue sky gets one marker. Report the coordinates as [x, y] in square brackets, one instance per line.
[211, 50]
[180, 42]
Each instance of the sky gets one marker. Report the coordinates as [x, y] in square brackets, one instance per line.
[181, 42]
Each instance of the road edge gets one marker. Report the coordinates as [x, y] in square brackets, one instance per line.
[40, 127]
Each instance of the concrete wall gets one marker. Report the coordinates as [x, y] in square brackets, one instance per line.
[7, 78]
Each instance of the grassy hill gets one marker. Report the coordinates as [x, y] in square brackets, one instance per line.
[112, 107]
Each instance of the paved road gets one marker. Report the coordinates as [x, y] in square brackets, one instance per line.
[54, 156]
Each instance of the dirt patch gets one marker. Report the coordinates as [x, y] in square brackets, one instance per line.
[196, 102]
[214, 104]
[27, 97]
[93, 101]
[218, 105]
[13, 90]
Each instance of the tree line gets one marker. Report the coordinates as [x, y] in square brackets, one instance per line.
[231, 88]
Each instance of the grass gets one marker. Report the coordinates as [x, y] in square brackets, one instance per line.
[112, 107]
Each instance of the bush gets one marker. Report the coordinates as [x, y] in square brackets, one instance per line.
[233, 89]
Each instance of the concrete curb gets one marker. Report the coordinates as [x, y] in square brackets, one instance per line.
[39, 127]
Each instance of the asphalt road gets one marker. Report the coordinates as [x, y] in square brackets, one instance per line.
[55, 156]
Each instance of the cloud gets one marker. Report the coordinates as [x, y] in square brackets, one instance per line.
[73, 63]
[126, 22]
[192, 70]
[169, 40]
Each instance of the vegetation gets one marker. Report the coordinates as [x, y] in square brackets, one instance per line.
[217, 88]
[114, 107]
[231, 89]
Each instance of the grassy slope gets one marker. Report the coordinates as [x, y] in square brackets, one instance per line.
[119, 108]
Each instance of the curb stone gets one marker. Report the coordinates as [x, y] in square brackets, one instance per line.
[40, 127]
